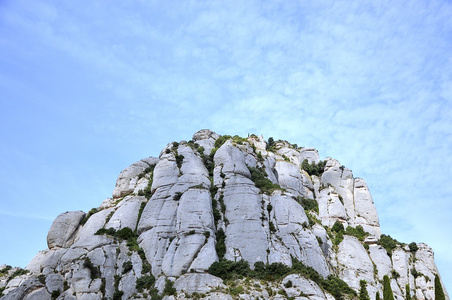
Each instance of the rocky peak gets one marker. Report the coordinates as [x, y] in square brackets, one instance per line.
[224, 216]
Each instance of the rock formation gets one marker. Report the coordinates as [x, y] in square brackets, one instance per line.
[270, 218]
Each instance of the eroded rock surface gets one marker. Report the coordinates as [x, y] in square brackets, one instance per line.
[215, 198]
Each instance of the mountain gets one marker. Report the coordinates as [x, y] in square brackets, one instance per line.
[221, 217]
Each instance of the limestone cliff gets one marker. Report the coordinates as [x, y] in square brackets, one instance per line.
[270, 218]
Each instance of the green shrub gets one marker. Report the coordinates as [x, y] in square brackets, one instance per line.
[179, 160]
[439, 293]
[88, 215]
[387, 242]
[226, 269]
[126, 267]
[236, 290]
[222, 204]
[259, 177]
[140, 212]
[363, 294]
[177, 196]
[42, 278]
[147, 192]
[271, 145]
[221, 140]
[5, 270]
[148, 170]
[338, 227]
[308, 204]
[288, 284]
[94, 271]
[377, 296]
[413, 247]
[337, 287]
[117, 295]
[271, 226]
[357, 232]
[55, 294]
[169, 288]
[407, 292]
[145, 282]
[220, 245]
[313, 168]
[18, 272]
[387, 290]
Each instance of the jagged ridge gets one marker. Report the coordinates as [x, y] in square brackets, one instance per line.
[226, 198]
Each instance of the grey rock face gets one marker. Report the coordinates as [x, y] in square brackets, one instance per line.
[162, 227]
[63, 229]
[128, 178]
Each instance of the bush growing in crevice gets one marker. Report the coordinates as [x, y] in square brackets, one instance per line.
[146, 171]
[413, 247]
[126, 267]
[177, 196]
[55, 294]
[94, 271]
[117, 295]
[88, 215]
[313, 168]
[259, 177]
[387, 242]
[271, 145]
[387, 290]
[124, 234]
[220, 245]
[439, 292]
[145, 282]
[363, 294]
[179, 160]
[308, 204]
[169, 288]
[147, 192]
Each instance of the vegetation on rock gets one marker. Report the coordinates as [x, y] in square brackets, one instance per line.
[313, 168]
[261, 181]
[439, 293]
[387, 290]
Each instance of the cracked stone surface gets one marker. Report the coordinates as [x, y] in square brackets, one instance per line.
[164, 216]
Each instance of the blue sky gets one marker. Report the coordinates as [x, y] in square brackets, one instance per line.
[87, 89]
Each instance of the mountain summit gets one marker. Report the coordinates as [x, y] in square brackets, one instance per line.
[222, 217]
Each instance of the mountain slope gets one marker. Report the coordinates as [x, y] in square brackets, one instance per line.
[269, 218]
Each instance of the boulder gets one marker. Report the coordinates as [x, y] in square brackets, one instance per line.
[62, 231]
